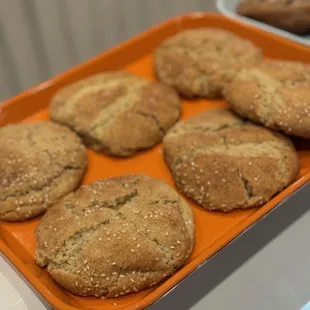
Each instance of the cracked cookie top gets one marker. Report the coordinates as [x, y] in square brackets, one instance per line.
[224, 163]
[275, 94]
[201, 62]
[118, 113]
[39, 163]
[115, 236]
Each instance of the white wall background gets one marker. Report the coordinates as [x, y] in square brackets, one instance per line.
[41, 38]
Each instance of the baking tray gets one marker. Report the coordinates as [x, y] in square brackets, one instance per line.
[214, 230]
[229, 8]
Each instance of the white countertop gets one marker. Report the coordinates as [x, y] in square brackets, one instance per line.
[15, 294]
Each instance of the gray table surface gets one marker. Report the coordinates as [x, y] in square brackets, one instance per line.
[265, 268]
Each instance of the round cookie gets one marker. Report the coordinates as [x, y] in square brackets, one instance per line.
[118, 113]
[39, 163]
[223, 163]
[116, 236]
[290, 15]
[275, 94]
[201, 62]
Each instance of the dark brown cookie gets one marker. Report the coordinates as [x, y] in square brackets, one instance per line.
[290, 15]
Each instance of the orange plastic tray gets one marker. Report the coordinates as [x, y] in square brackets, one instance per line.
[213, 230]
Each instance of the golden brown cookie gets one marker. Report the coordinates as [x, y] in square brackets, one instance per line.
[39, 163]
[201, 62]
[290, 15]
[275, 94]
[118, 113]
[116, 236]
[224, 163]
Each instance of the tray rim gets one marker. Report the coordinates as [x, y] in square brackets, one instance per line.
[217, 245]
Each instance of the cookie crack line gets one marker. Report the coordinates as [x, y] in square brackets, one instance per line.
[203, 128]
[125, 200]
[224, 141]
[164, 201]
[154, 241]
[103, 122]
[264, 89]
[99, 124]
[165, 250]
[189, 154]
[203, 47]
[114, 204]
[38, 189]
[202, 72]
[119, 106]
[246, 184]
[120, 201]
[119, 213]
[77, 235]
[48, 153]
[267, 86]
[189, 128]
[154, 118]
